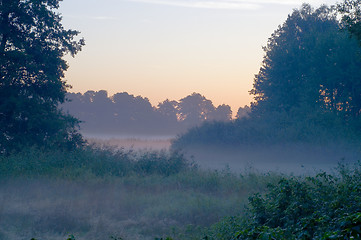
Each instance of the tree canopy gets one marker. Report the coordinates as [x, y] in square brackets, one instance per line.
[308, 88]
[351, 17]
[32, 45]
[310, 67]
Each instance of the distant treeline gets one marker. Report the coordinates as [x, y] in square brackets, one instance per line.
[127, 114]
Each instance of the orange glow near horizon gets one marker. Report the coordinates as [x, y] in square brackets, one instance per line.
[170, 49]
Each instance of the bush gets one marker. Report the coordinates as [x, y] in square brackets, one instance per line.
[321, 207]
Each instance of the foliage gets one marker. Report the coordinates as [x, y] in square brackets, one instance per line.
[321, 207]
[195, 109]
[310, 68]
[350, 11]
[281, 129]
[96, 193]
[307, 89]
[88, 160]
[325, 206]
[32, 45]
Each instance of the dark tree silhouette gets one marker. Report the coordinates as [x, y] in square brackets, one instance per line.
[32, 45]
[100, 108]
[194, 109]
[168, 109]
[308, 88]
[310, 68]
[124, 113]
[133, 113]
[123, 107]
[221, 113]
[243, 112]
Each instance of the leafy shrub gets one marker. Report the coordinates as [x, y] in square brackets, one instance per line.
[321, 207]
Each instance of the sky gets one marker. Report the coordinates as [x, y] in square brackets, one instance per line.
[168, 49]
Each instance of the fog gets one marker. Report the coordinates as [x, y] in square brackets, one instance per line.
[135, 142]
[177, 169]
[148, 206]
[289, 159]
[54, 209]
[292, 158]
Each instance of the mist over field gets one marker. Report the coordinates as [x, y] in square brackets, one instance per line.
[140, 194]
[128, 194]
[296, 159]
[290, 158]
[132, 142]
[93, 166]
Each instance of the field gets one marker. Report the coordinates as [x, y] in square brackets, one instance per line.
[95, 194]
[138, 143]
[103, 192]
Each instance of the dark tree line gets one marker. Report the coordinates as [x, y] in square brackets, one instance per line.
[123, 113]
[308, 87]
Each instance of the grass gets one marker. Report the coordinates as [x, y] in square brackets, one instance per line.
[96, 193]
[101, 193]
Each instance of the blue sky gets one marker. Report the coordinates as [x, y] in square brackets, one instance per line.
[170, 48]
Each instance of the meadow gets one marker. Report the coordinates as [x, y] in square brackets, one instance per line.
[53, 185]
[116, 193]
[95, 193]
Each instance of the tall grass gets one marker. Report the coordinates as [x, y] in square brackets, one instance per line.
[33, 162]
[97, 193]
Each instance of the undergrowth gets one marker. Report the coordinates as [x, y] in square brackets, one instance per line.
[91, 162]
[96, 193]
[321, 207]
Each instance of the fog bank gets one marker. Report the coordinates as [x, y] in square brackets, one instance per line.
[288, 158]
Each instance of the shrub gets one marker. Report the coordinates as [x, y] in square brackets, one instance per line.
[321, 207]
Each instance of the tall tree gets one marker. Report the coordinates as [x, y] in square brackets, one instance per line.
[310, 67]
[351, 16]
[32, 45]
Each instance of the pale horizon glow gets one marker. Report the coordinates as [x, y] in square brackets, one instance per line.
[229, 4]
[225, 4]
[168, 49]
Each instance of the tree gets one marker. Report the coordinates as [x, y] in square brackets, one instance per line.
[221, 113]
[310, 68]
[194, 109]
[168, 110]
[243, 112]
[32, 45]
[308, 88]
[351, 17]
